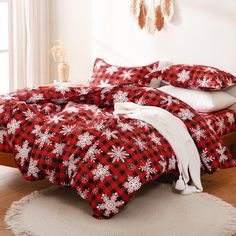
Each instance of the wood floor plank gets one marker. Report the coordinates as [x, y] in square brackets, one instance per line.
[12, 187]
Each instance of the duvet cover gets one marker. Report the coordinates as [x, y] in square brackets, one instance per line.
[70, 136]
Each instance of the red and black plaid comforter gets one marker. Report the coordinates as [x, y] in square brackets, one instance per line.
[71, 137]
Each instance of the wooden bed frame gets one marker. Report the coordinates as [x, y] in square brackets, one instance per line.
[7, 159]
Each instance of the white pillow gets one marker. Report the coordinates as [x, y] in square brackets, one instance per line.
[201, 101]
[232, 91]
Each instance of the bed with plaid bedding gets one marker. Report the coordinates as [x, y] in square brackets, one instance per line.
[70, 136]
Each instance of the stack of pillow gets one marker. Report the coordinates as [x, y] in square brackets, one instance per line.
[205, 88]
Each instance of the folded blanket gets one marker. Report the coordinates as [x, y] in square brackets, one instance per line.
[176, 133]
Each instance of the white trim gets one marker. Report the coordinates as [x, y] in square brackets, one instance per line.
[4, 51]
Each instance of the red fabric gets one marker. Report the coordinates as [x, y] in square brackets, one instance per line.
[197, 77]
[105, 74]
[222, 122]
[71, 137]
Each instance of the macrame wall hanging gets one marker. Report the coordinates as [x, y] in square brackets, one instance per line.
[152, 15]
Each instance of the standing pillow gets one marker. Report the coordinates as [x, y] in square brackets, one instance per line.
[198, 77]
[201, 101]
[105, 74]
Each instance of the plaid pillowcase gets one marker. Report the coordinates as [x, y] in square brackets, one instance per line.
[198, 77]
[105, 74]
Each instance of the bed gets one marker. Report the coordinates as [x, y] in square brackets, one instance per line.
[70, 136]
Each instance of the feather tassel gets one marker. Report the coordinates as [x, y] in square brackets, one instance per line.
[167, 9]
[159, 19]
[142, 15]
[135, 10]
[150, 26]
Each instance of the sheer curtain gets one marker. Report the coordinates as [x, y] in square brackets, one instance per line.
[30, 44]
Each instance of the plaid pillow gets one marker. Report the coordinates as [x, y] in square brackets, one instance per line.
[105, 74]
[198, 77]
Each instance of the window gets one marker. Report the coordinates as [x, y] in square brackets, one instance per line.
[4, 47]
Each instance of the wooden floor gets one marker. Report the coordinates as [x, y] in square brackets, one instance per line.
[13, 187]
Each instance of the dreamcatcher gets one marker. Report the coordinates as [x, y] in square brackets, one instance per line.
[152, 14]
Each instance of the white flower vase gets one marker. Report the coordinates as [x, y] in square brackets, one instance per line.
[63, 72]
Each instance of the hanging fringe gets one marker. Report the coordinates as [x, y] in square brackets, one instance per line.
[135, 9]
[150, 27]
[167, 9]
[159, 19]
[142, 15]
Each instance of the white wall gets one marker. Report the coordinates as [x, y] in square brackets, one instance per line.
[202, 32]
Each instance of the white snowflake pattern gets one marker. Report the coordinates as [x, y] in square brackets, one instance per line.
[163, 163]
[99, 126]
[71, 109]
[36, 129]
[125, 126]
[36, 97]
[183, 76]
[90, 154]
[230, 82]
[172, 163]
[210, 69]
[111, 70]
[13, 126]
[209, 123]
[141, 144]
[207, 160]
[33, 170]
[51, 175]
[83, 194]
[67, 129]
[56, 119]
[110, 134]
[99, 64]
[198, 133]
[221, 151]
[84, 140]
[44, 138]
[142, 124]
[118, 154]
[221, 125]
[101, 172]
[1, 109]
[155, 139]
[23, 152]
[71, 164]
[169, 100]
[204, 82]
[152, 69]
[29, 115]
[62, 89]
[83, 91]
[185, 114]
[127, 75]
[59, 149]
[133, 184]
[148, 169]
[105, 83]
[230, 117]
[120, 97]
[3, 133]
[110, 205]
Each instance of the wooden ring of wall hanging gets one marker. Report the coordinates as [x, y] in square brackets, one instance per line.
[152, 15]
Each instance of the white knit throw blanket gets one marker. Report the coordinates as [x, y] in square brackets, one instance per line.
[176, 133]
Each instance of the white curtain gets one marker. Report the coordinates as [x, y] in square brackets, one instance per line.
[30, 20]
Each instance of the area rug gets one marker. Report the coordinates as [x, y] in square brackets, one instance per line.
[156, 210]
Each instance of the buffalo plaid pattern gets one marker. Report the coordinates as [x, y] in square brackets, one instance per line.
[70, 136]
[198, 77]
[222, 122]
[105, 74]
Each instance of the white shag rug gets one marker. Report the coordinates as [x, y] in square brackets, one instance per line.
[156, 210]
